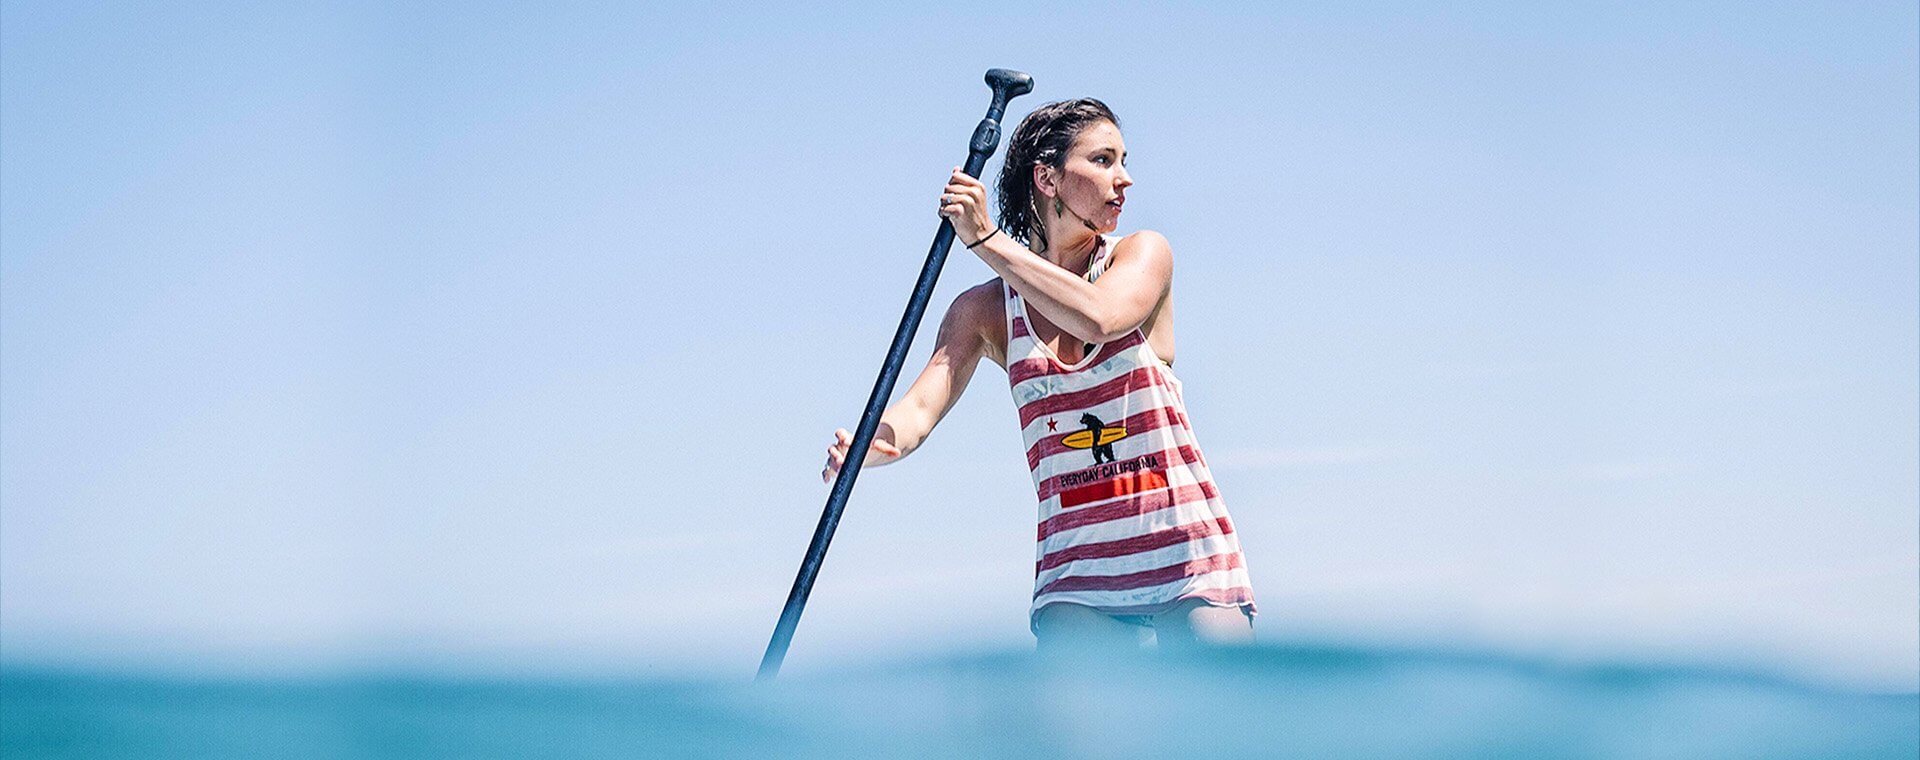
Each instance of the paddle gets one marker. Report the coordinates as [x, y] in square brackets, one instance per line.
[1007, 85]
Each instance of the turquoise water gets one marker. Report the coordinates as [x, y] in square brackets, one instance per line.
[1276, 701]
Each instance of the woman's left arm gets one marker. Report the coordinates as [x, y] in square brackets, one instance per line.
[1095, 312]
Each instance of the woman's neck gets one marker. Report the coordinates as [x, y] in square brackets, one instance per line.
[1070, 247]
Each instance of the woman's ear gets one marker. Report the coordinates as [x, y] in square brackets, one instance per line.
[1043, 181]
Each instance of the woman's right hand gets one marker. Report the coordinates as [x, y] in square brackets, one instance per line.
[879, 453]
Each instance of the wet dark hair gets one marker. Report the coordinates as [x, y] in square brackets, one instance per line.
[1043, 137]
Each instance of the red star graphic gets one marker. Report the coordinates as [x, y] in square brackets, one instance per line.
[1051, 425]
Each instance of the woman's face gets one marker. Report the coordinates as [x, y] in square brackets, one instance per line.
[1094, 181]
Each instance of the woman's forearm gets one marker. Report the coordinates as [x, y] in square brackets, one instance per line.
[904, 429]
[1067, 300]
[890, 432]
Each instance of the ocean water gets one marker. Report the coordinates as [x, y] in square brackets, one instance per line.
[1270, 702]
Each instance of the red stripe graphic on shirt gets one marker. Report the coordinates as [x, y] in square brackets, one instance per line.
[1020, 328]
[1169, 458]
[1106, 391]
[1130, 483]
[1124, 508]
[1144, 578]
[1135, 544]
[1151, 419]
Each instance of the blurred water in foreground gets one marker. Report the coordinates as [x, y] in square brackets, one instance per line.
[1273, 701]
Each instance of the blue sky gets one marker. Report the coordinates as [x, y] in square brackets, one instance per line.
[455, 334]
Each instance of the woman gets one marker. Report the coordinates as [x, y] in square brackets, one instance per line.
[1133, 536]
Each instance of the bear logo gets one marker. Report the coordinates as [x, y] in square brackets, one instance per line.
[1100, 439]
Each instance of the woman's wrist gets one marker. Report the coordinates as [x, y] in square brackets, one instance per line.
[984, 238]
[1001, 251]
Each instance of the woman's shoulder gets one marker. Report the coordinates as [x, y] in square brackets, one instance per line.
[1145, 249]
[980, 311]
[981, 306]
[989, 293]
[1142, 239]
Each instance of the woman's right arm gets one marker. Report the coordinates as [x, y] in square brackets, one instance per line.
[906, 424]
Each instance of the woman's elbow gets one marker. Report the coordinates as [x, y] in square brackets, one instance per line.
[1111, 328]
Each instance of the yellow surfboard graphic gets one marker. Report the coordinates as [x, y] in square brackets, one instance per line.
[1084, 438]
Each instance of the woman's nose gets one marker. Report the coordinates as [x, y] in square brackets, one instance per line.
[1125, 179]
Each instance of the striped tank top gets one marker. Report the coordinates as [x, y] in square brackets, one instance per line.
[1130, 520]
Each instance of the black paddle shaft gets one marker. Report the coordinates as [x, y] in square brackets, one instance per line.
[1006, 85]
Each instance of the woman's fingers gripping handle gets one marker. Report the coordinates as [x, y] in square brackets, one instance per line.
[964, 202]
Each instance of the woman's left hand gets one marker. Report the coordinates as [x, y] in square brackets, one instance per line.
[965, 204]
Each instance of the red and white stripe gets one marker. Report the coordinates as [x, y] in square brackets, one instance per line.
[1145, 532]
